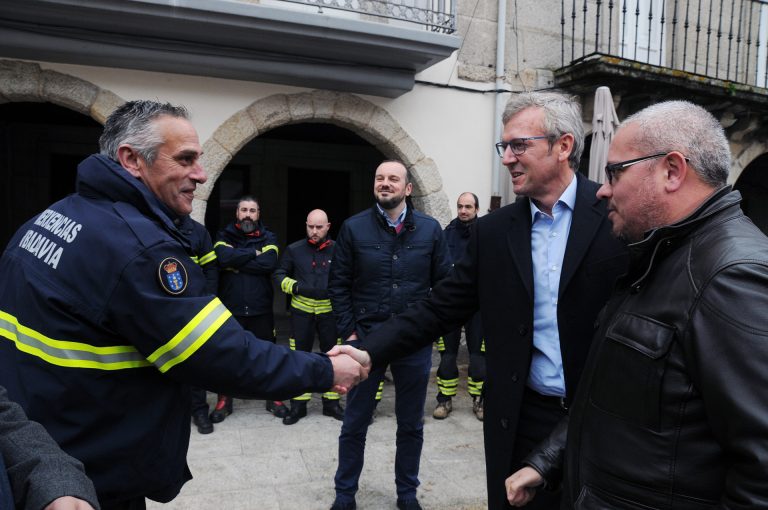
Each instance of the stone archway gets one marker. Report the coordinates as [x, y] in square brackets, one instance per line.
[25, 81]
[364, 118]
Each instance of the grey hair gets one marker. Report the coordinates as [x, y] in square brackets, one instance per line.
[133, 124]
[562, 115]
[690, 129]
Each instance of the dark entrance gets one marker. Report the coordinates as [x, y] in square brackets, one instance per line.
[294, 169]
[41, 145]
[753, 185]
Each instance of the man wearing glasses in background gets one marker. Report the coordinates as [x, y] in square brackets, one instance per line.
[539, 271]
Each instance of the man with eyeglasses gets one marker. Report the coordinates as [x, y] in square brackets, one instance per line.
[539, 271]
[672, 409]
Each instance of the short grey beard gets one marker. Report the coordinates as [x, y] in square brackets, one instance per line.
[247, 226]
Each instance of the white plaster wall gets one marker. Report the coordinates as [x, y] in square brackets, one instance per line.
[453, 127]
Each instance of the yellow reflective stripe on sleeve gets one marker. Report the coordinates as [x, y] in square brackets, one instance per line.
[222, 243]
[191, 337]
[65, 353]
[207, 258]
[287, 285]
[268, 247]
[195, 259]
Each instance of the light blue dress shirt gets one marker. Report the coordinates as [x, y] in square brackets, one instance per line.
[400, 218]
[549, 236]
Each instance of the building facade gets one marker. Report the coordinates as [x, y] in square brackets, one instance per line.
[296, 101]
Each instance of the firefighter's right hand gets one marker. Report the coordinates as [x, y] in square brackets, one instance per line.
[347, 372]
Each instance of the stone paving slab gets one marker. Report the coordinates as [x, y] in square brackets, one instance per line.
[253, 461]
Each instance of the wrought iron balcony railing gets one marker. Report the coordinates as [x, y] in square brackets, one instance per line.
[722, 39]
[433, 15]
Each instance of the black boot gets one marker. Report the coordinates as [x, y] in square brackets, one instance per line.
[203, 423]
[277, 408]
[297, 412]
[223, 409]
[333, 409]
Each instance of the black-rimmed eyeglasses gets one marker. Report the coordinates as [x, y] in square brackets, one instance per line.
[516, 145]
[612, 169]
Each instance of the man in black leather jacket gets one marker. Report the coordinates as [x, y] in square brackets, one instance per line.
[672, 411]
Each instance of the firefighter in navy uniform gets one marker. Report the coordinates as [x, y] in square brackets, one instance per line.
[456, 236]
[104, 322]
[205, 257]
[247, 254]
[303, 275]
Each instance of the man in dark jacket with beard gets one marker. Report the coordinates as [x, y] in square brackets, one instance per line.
[456, 236]
[247, 254]
[387, 258]
[672, 411]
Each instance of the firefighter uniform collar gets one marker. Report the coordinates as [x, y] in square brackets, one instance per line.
[100, 177]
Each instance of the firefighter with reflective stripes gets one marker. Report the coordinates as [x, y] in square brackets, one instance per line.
[104, 322]
[456, 236]
[247, 254]
[303, 275]
[203, 255]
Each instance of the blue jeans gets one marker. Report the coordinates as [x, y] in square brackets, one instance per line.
[411, 376]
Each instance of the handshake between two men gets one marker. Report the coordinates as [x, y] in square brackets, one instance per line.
[350, 367]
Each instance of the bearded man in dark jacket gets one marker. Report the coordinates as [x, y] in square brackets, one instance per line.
[247, 254]
[386, 259]
[672, 411]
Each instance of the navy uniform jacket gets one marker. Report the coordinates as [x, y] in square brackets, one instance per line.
[456, 236]
[303, 275]
[245, 281]
[103, 322]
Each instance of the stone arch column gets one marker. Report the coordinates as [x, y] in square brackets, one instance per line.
[349, 111]
[27, 82]
[742, 158]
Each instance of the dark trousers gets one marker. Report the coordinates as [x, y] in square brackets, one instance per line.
[199, 402]
[538, 416]
[410, 376]
[304, 325]
[262, 326]
[448, 371]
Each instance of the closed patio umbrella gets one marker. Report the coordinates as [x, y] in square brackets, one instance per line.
[604, 124]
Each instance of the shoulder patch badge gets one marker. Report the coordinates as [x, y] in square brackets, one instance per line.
[173, 276]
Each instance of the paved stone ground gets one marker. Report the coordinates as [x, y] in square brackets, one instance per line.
[253, 461]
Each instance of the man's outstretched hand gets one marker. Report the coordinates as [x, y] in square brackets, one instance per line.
[361, 357]
[347, 372]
